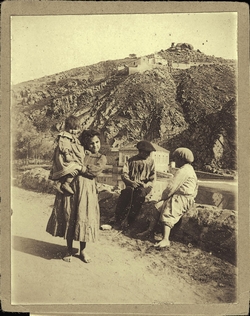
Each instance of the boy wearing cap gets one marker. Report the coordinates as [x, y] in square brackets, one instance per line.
[138, 174]
[178, 197]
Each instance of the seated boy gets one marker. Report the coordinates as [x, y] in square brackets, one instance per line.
[138, 174]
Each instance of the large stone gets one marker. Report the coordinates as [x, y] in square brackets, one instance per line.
[37, 179]
[211, 229]
[204, 226]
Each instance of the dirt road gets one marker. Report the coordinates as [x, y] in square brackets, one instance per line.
[123, 270]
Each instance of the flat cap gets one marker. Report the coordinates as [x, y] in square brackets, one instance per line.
[145, 145]
[184, 153]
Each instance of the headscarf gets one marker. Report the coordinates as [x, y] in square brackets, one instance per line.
[184, 153]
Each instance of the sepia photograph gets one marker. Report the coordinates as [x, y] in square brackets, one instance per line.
[125, 152]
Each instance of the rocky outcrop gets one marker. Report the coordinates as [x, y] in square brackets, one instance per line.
[183, 46]
[205, 226]
[207, 95]
[189, 54]
[142, 106]
[206, 89]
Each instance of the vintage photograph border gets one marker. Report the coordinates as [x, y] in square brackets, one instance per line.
[9, 8]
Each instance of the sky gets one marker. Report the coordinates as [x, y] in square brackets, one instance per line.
[45, 45]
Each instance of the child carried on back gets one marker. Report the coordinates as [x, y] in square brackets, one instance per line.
[68, 155]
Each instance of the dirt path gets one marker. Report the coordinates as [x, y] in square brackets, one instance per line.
[122, 270]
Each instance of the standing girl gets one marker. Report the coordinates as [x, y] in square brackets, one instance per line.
[77, 217]
[179, 195]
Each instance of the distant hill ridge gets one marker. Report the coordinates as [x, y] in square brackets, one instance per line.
[172, 107]
[176, 55]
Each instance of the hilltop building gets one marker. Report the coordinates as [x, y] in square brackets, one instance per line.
[142, 64]
[181, 65]
[147, 63]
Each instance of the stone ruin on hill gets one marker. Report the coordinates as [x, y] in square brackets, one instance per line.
[180, 46]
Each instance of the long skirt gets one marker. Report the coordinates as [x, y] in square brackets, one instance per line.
[77, 216]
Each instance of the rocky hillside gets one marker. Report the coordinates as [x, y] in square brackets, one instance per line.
[207, 95]
[192, 107]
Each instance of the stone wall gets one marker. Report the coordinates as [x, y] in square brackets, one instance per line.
[205, 226]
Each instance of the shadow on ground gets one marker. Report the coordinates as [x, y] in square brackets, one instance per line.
[39, 248]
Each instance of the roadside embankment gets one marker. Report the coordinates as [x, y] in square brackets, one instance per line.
[205, 226]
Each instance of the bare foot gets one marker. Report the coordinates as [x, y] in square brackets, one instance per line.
[85, 257]
[67, 257]
[164, 243]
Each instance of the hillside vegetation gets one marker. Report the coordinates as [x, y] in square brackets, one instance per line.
[193, 107]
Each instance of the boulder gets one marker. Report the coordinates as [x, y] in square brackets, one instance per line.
[211, 229]
[36, 179]
[206, 227]
[184, 46]
[187, 46]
